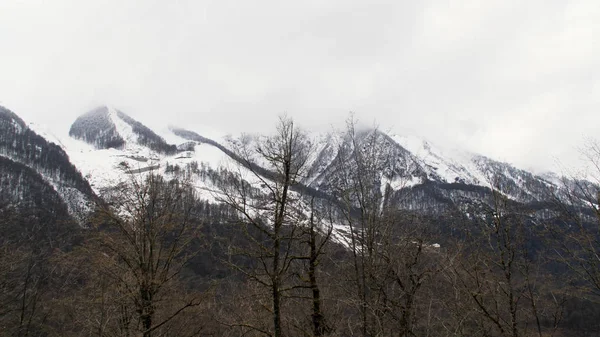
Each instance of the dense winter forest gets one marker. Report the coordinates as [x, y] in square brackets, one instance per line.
[275, 258]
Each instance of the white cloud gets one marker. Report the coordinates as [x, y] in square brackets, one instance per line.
[515, 80]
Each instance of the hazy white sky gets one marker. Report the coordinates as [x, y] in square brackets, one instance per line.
[515, 80]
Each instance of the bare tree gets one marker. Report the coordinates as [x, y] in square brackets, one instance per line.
[28, 240]
[499, 282]
[390, 250]
[142, 244]
[577, 235]
[316, 246]
[314, 237]
[262, 195]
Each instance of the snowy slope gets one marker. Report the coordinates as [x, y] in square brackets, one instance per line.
[105, 167]
[451, 165]
[444, 165]
[32, 146]
[406, 162]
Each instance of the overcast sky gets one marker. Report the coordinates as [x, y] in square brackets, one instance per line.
[515, 80]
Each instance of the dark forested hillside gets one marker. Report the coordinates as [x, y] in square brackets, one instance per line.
[23, 188]
[20, 144]
[96, 128]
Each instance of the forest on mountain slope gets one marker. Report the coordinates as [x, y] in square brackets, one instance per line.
[270, 260]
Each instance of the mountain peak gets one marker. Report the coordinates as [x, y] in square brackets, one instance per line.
[10, 118]
[107, 127]
[96, 127]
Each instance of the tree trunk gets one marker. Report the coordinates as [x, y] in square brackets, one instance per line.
[275, 286]
[319, 327]
[147, 311]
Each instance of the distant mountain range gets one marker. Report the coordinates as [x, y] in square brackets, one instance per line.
[106, 145]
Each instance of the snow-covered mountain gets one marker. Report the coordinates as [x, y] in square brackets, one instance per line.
[37, 172]
[419, 175]
[106, 146]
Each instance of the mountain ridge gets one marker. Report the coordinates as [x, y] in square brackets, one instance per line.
[106, 145]
[31, 156]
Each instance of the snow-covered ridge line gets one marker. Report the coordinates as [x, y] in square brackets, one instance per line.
[106, 144]
[108, 147]
[123, 129]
